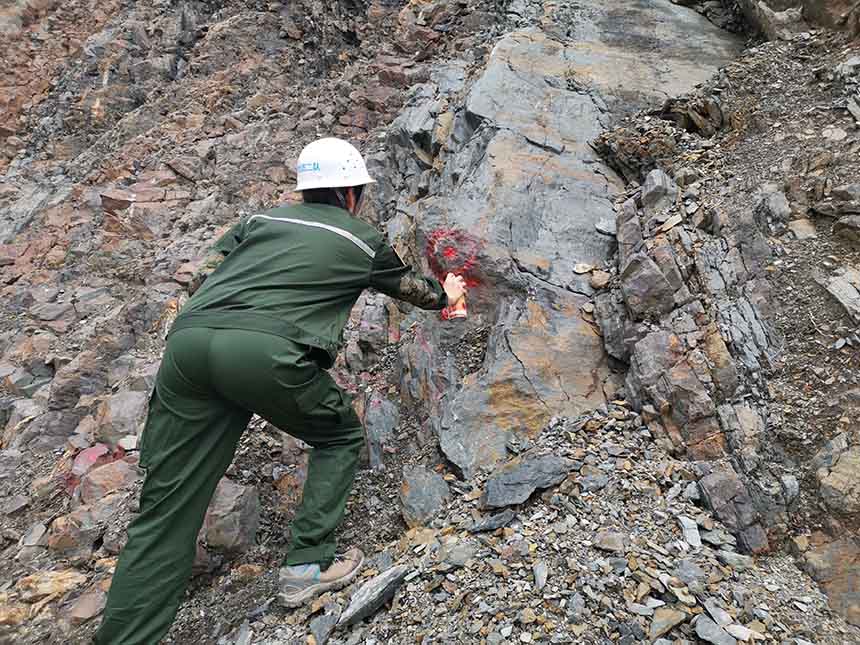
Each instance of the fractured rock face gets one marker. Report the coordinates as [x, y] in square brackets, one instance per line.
[422, 495]
[120, 415]
[728, 497]
[523, 383]
[381, 417]
[75, 534]
[836, 566]
[232, 518]
[106, 479]
[533, 196]
[840, 486]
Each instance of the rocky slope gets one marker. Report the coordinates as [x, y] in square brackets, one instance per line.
[658, 227]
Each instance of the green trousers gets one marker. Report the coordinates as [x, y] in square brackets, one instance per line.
[209, 383]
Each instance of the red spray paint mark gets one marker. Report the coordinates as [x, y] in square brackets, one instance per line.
[453, 251]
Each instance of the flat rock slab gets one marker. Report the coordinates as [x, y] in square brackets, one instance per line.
[803, 229]
[515, 482]
[373, 594]
[665, 619]
[493, 522]
[844, 285]
[710, 632]
[637, 53]
[610, 541]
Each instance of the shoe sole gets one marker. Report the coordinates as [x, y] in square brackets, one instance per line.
[298, 599]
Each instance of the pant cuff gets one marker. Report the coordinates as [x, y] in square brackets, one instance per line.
[322, 555]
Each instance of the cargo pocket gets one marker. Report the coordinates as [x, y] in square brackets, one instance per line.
[143, 446]
[309, 396]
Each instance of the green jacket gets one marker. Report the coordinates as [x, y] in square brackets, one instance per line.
[296, 271]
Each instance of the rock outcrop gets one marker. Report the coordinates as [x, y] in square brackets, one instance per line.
[505, 162]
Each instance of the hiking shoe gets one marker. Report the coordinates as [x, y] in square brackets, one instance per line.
[302, 582]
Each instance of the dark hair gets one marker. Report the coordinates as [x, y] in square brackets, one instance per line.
[327, 196]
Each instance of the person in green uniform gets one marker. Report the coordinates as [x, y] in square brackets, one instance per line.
[257, 336]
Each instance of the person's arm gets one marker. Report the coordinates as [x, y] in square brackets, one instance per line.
[393, 278]
[220, 250]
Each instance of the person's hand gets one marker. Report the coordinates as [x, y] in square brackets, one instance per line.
[455, 287]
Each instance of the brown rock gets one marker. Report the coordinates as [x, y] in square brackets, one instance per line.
[12, 614]
[74, 534]
[115, 199]
[106, 479]
[89, 605]
[848, 227]
[836, 566]
[599, 279]
[840, 488]
[49, 583]
[665, 618]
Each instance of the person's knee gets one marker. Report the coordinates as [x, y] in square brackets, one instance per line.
[346, 438]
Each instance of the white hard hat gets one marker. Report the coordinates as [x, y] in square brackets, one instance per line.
[330, 163]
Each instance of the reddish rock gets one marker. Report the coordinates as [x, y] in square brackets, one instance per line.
[185, 272]
[101, 481]
[836, 566]
[359, 118]
[88, 605]
[376, 97]
[115, 199]
[9, 253]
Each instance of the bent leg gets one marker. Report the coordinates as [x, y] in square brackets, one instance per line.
[337, 436]
[189, 441]
[280, 384]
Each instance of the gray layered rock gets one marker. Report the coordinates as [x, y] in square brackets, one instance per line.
[373, 594]
[529, 197]
[658, 193]
[687, 316]
[493, 522]
[422, 495]
[381, 417]
[709, 631]
[844, 286]
[515, 482]
[232, 517]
